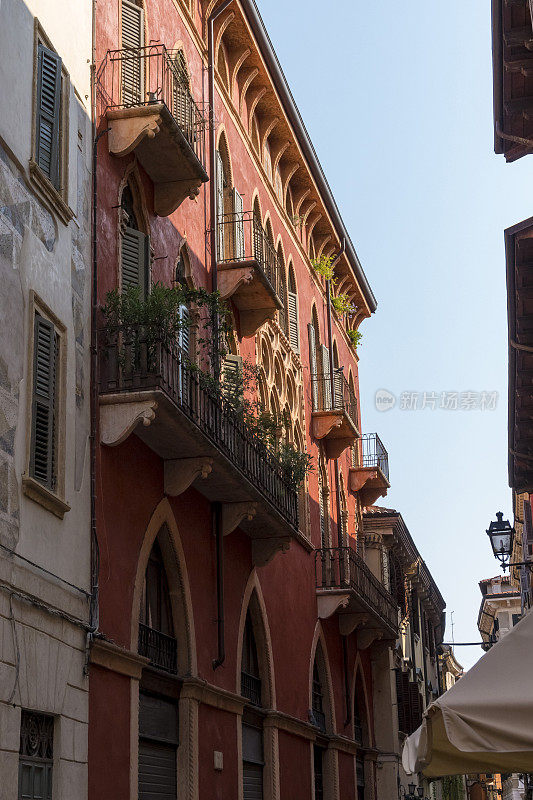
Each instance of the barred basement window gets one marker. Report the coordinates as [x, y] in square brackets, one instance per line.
[44, 426]
[36, 755]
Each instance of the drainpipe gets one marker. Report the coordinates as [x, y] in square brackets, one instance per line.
[217, 510]
[332, 382]
[217, 531]
[95, 554]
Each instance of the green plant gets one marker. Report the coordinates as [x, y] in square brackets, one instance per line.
[342, 305]
[323, 266]
[355, 338]
[295, 465]
[453, 788]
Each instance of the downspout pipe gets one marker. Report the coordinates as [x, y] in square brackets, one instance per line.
[216, 508]
[219, 540]
[332, 381]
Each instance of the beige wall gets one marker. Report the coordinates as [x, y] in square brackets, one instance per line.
[42, 654]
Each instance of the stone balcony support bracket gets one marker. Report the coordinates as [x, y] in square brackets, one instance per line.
[118, 419]
[244, 282]
[234, 513]
[328, 603]
[335, 429]
[264, 550]
[348, 622]
[180, 473]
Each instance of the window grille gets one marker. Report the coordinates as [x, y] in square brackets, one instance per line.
[36, 755]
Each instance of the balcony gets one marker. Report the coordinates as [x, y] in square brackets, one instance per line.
[150, 111]
[159, 648]
[248, 270]
[370, 478]
[150, 387]
[345, 584]
[334, 418]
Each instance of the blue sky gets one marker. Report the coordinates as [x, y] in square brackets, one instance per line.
[397, 98]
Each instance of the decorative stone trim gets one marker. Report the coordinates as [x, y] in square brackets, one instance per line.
[289, 724]
[214, 696]
[120, 414]
[49, 193]
[180, 473]
[46, 498]
[117, 659]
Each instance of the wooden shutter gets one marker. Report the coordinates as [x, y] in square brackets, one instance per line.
[312, 363]
[158, 741]
[415, 707]
[219, 188]
[135, 258]
[48, 113]
[325, 382]
[338, 380]
[238, 208]
[252, 766]
[402, 700]
[42, 454]
[294, 339]
[133, 61]
[232, 377]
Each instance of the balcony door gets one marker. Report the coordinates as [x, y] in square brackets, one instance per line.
[132, 55]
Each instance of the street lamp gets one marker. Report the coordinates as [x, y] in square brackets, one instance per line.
[501, 537]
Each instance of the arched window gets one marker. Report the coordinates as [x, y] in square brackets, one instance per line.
[252, 722]
[156, 629]
[319, 719]
[360, 721]
[133, 72]
[135, 244]
[258, 233]
[315, 358]
[158, 716]
[397, 582]
[311, 249]
[292, 312]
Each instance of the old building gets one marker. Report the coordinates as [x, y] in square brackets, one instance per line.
[241, 624]
[409, 680]
[45, 267]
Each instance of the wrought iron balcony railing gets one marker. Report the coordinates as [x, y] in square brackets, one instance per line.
[337, 397]
[251, 688]
[146, 76]
[241, 238]
[374, 453]
[134, 359]
[159, 648]
[342, 569]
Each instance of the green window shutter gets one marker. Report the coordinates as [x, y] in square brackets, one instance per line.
[294, 338]
[132, 63]
[135, 259]
[219, 188]
[42, 453]
[312, 364]
[48, 113]
[185, 330]
[325, 382]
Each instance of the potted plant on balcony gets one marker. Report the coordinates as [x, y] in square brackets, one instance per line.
[355, 338]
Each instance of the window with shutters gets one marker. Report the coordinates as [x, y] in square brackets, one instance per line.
[49, 161]
[135, 254]
[292, 312]
[44, 480]
[132, 32]
[415, 614]
[158, 746]
[252, 756]
[317, 700]
[36, 755]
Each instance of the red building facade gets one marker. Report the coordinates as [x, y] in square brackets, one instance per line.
[239, 624]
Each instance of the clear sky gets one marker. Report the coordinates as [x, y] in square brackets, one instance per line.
[397, 99]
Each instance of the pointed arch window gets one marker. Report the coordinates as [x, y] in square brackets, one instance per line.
[317, 698]
[135, 247]
[250, 677]
[156, 630]
[282, 292]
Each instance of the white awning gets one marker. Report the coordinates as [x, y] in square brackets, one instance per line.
[484, 723]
